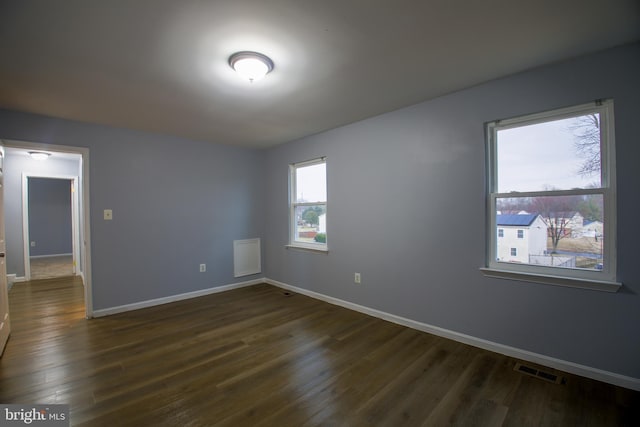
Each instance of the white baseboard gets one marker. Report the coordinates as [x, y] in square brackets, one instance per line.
[49, 256]
[174, 298]
[11, 279]
[562, 365]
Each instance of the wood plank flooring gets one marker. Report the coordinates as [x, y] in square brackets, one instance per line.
[257, 357]
[51, 266]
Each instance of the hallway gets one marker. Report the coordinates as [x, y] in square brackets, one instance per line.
[51, 266]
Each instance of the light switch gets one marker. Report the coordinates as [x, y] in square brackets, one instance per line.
[108, 214]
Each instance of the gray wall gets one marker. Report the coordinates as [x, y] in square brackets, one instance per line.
[50, 216]
[406, 209]
[176, 204]
[16, 164]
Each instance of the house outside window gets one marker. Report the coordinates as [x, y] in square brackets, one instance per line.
[550, 174]
[516, 246]
[308, 204]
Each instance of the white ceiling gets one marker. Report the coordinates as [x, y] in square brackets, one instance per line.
[161, 65]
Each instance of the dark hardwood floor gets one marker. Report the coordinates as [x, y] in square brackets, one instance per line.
[257, 357]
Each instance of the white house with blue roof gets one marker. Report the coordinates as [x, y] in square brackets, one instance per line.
[520, 236]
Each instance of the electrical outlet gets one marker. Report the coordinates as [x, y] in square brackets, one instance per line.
[203, 268]
[356, 278]
[33, 244]
[108, 214]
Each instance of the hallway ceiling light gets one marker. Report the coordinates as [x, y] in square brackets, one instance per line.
[251, 65]
[39, 155]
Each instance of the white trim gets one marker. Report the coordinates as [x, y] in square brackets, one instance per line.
[578, 192]
[308, 247]
[552, 362]
[173, 298]
[315, 161]
[569, 282]
[85, 245]
[293, 191]
[75, 225]
[75, 235]
[11, 279]
[555, 114]
[605, 279]
[25, 228]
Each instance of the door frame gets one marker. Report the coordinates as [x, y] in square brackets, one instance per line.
[84, 212]
[5, 318]
[75, 233]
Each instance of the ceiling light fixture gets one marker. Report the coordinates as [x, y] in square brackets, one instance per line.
[251, 65]
[39, 155]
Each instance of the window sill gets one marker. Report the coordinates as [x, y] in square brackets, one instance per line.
[594, 285]
[322, 250]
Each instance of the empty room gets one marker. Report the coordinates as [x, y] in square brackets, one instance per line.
[296, 213]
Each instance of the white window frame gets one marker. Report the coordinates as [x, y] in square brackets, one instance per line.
[500, 233]
[316, 246]
[520, 233]
[605, 279]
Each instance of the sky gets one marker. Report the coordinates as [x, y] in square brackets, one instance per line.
[311, 183]
[533, 157]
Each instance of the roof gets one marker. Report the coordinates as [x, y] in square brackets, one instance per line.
[521, 220]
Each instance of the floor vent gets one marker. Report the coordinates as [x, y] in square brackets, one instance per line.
[533, 372]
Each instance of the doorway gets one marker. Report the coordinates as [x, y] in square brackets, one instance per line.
[65, 165]
[50, 226]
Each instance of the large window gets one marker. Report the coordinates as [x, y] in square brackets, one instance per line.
[552, 178]
[308, 204]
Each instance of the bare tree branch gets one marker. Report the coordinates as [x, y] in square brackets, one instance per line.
[586, 132]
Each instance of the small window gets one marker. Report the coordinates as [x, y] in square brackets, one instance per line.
[553, 174]
[308, 204]
[500, 232]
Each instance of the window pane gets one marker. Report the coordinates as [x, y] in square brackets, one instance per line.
[311, 224]
[311, 183]
[556, 155]
[559, 231]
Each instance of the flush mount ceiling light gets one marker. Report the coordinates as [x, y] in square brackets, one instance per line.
[39, 155]
[251, 65]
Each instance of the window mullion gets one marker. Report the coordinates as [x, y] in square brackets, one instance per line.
[577, 192]
[309, 203]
